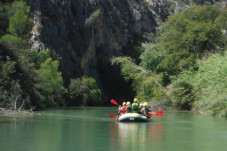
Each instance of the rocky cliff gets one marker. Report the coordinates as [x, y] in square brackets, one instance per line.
[84, 34]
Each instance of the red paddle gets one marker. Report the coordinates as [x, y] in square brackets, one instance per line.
[112, 115]
[114, 102]
[159, 113]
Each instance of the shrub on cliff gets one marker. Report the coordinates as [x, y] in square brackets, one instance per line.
[19, 21]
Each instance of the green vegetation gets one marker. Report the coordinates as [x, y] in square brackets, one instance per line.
[49, 82]
[185, 67]
[146, 83]
[84, 89]
[28, 78]
[92, 17]
[206, 86]
[19, 21]
[188, 36]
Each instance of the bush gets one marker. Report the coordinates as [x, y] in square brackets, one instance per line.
[205, 89]
[19, 21]
[49, 82]
[13, 43]
[188, 36]
[84, 90]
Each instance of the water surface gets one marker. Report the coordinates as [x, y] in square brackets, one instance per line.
[90, 129]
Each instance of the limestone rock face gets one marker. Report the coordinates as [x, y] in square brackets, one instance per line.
[79, 30]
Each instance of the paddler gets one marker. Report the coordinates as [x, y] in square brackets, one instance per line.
[135, 106]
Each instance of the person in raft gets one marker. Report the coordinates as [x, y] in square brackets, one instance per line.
[146, 108]
[128, 107]
[135, 106]
[140, 108]
[122, 109]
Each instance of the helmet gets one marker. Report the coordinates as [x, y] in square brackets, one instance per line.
[128, 103]
[135, 100]
[123, 103]
[141, 104]
[145, 104]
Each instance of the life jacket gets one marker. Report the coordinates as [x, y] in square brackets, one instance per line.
[147, 109]
[123, 109]
[135, 107]
[140, 108]
[128, 109]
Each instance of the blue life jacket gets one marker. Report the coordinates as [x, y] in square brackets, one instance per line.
[128, 109]
[147, 109]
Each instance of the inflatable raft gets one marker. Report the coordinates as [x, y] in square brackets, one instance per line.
[133, 117]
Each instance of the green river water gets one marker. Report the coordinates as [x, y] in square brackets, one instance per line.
[90, 129]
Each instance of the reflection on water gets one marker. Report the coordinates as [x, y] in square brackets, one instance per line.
[134, 136]
[90, 129]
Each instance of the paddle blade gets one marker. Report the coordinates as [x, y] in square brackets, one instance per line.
[113, 102]
[111, 115]
[158, 113]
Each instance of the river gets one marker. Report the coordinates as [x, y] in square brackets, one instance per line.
[90, 129]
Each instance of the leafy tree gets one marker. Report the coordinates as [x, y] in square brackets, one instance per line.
[221, 20]
[49, 82]
[188, 36]
[151, 57]
[13, 43]
[146, 83]
[205, 89]
[7, 69]
[84, 90]
[12, 95]
[210, 85]
[181, 91]
[19, 21]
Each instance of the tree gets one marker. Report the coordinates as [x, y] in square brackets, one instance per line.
[189, 35]
[210, 85]
[13, 43]
[84, 90]
[181, 91]
[49, 82]
[19, 21]
[151, 57]
[205, 88]
[146, 83]
[7, 69]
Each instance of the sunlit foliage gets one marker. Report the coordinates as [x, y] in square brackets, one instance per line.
[146, 83]
[188, 35]
[19, 21]
[84, 90]
[49, 82]
[204, 89]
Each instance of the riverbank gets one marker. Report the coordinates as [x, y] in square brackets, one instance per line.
[15, 113]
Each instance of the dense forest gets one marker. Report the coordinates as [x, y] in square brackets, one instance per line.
[183, 64]
[32, 79]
